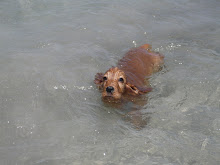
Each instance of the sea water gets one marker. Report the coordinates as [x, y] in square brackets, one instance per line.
[51, 113]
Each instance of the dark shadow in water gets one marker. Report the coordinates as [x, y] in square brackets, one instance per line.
[130, 108]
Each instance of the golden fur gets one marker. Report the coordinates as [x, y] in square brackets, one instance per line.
[129, 76]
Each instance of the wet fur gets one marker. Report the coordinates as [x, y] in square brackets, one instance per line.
[134, 68]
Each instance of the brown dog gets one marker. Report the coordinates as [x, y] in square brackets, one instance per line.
[129, 77]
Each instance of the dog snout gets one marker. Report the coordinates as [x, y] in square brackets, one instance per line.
[110, 89]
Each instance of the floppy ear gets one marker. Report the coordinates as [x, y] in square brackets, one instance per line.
[137, 90]
[99, 79]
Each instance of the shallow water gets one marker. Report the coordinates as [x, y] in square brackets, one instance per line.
[51, 112]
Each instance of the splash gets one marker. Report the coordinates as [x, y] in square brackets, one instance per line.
[171, 46]
[83, 88]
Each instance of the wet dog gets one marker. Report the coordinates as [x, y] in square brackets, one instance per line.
[130, 76]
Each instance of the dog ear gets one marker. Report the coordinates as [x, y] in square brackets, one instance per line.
[99, 79]
[137, 90]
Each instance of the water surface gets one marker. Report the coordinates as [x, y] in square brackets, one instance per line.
[51, 112]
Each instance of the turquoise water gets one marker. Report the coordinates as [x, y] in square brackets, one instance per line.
[51, 112]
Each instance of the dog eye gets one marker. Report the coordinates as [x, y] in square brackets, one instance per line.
[105, 78]
[121, 80]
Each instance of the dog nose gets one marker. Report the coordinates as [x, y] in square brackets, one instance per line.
[110, 89]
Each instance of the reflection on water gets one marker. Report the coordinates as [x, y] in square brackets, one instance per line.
[129, 108]
[51, 112]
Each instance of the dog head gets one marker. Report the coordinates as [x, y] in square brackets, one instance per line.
[114, 84]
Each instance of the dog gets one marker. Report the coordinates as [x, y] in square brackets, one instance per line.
[130, 76]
